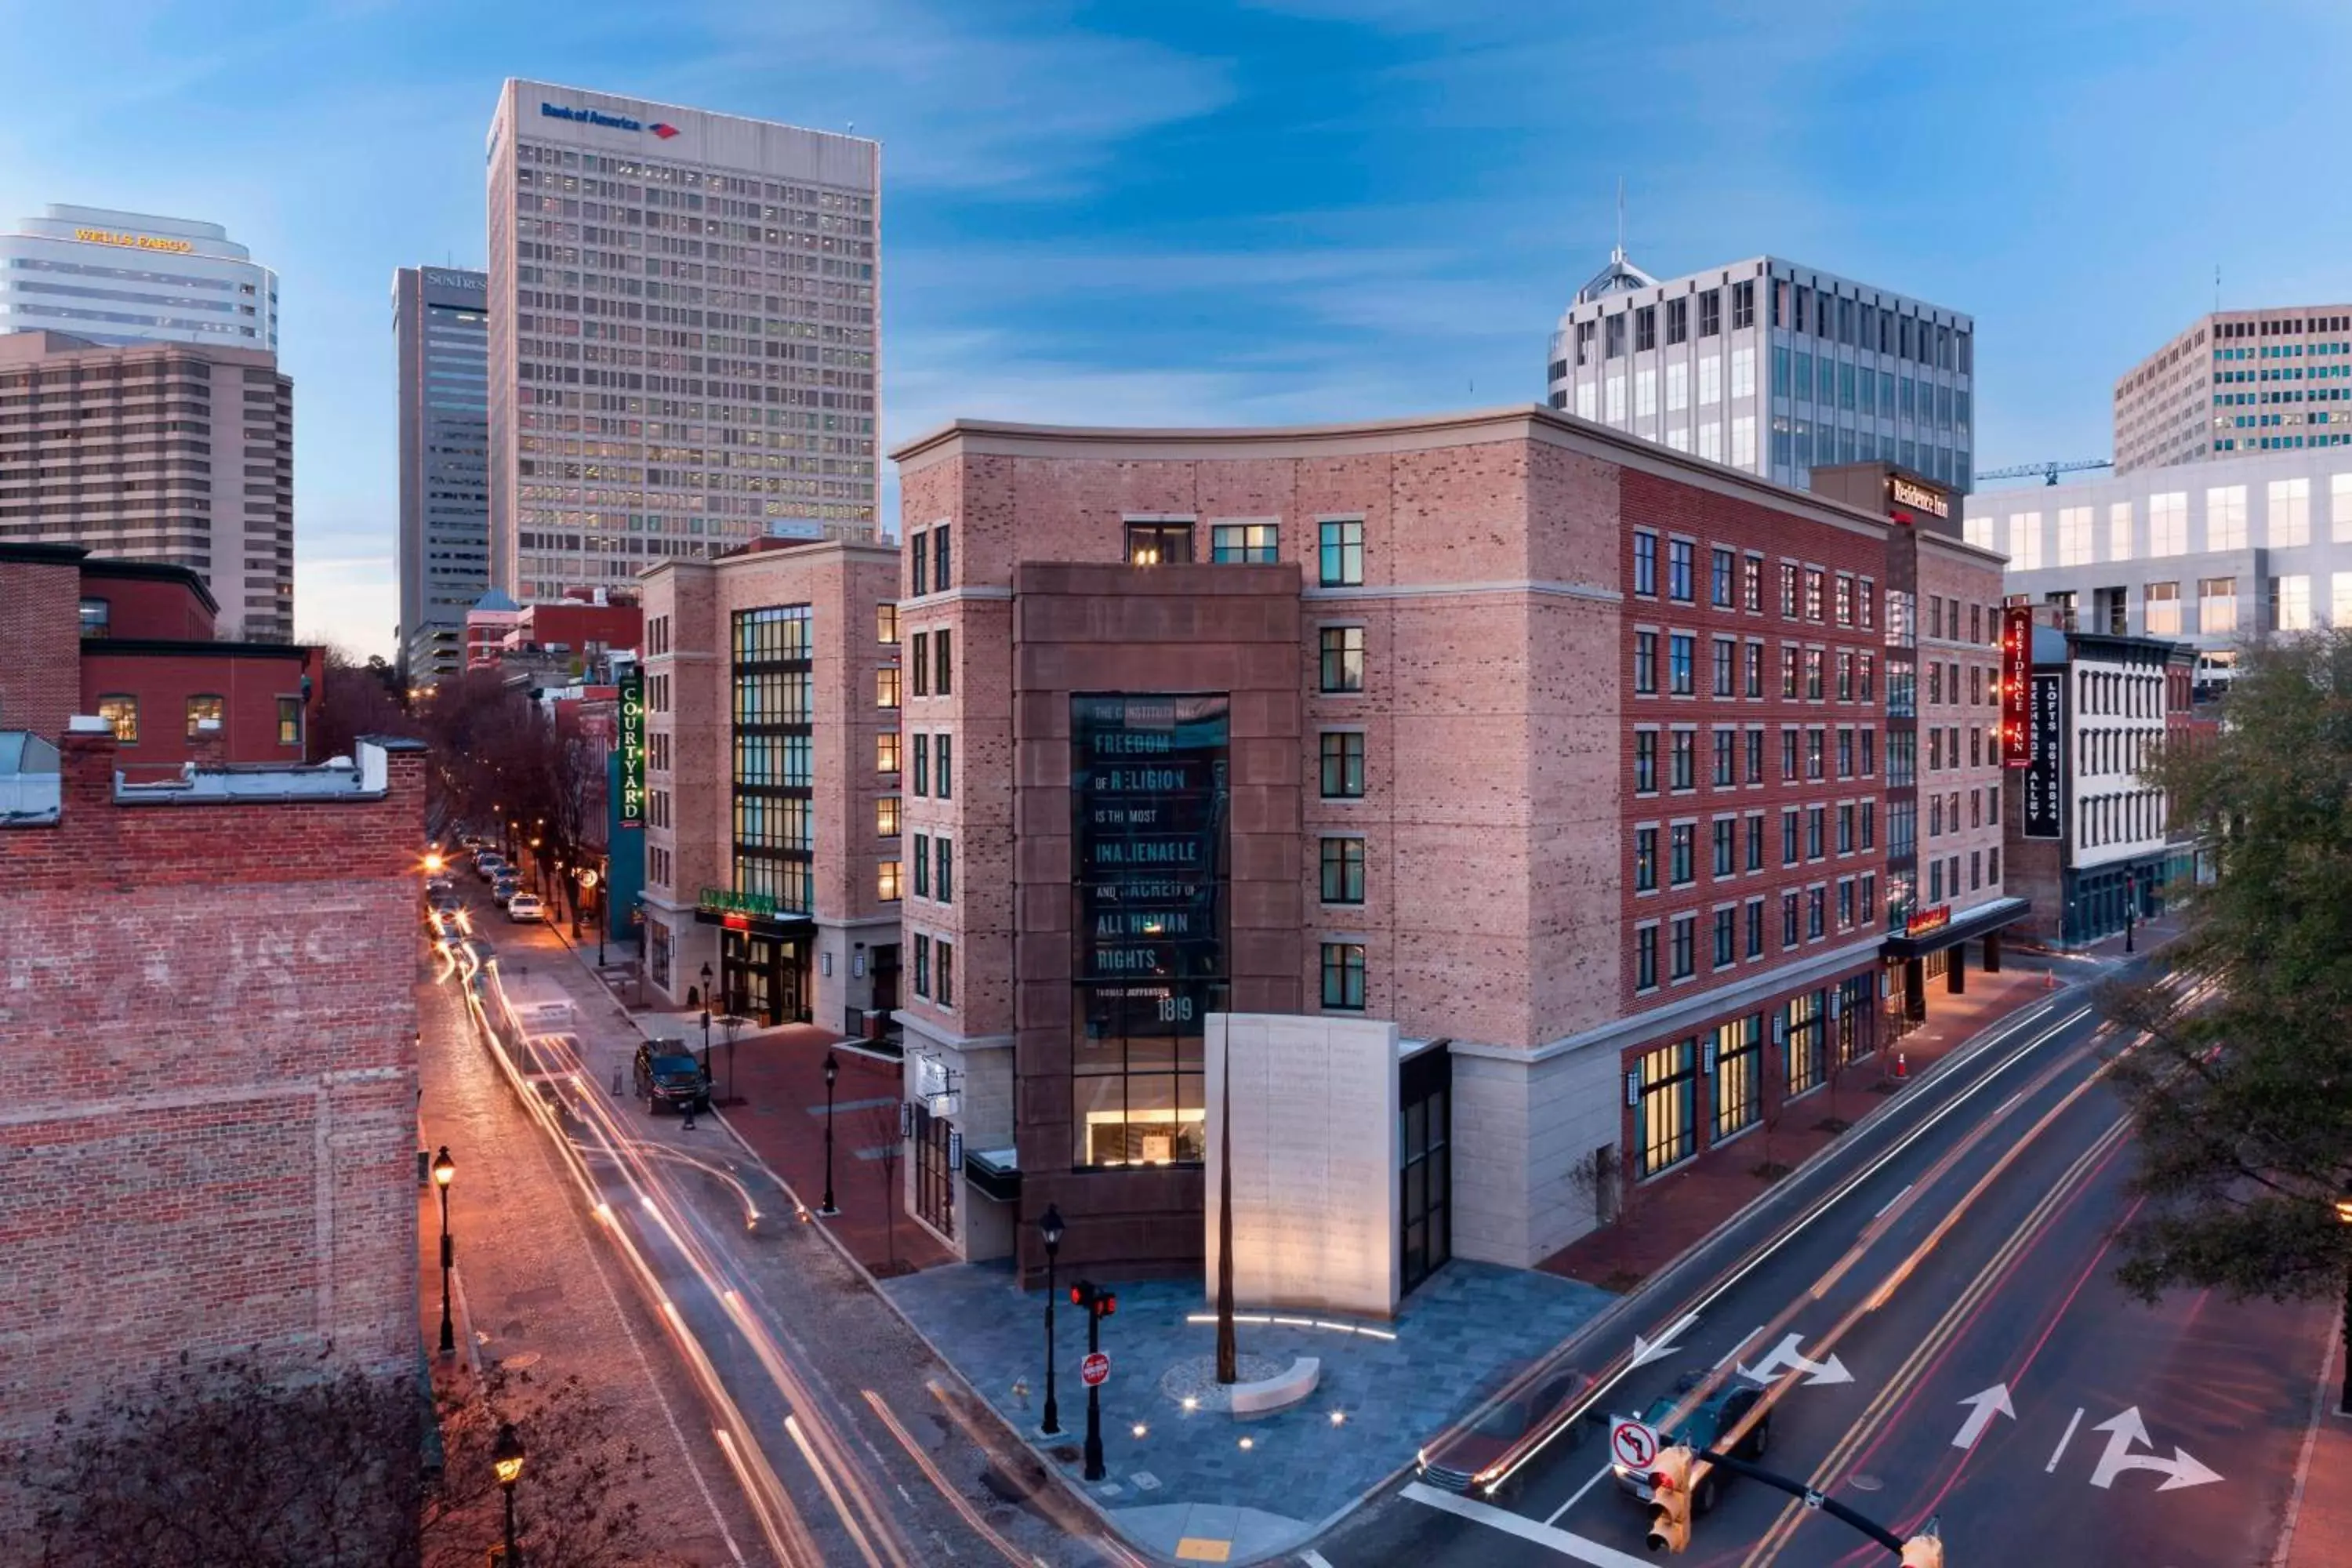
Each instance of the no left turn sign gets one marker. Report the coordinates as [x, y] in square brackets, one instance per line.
[1632, 1444]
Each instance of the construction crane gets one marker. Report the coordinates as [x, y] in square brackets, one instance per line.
[2049, 471]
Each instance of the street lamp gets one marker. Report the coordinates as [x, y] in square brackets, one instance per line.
[1049, 1229]
[2344, 1216]
[832, 1071]
[2131, 905]
[706, 986]
[506, 1458]
[588, 879]
[445, 1171]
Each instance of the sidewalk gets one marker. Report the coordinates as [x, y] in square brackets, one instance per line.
[1679, 1209]
[2319, 1522]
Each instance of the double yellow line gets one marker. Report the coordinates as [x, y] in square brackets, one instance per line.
[1957, 1317]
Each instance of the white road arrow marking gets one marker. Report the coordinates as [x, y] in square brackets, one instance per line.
[2127, 1429]
[1646, 1352]
[1993, 1401]
[1786, 1357]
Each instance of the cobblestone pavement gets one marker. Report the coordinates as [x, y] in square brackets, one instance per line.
[1186, 1477]
[871, 1443]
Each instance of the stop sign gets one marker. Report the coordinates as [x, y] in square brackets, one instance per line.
[1095, 1369]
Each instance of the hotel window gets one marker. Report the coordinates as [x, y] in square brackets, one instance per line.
[1645, 563]
[1845, 829]
[1789, 657]
[122, 710]
[1645, 761]
[1755, 756]
[1343, 658]
[1725, 832]
[1812, 593]
[1739, 1078]
[943, 884]
[940, 578]
[2225, 517]
[289, 721]
[1814, 658]
[1816, 836]
[97, 617]
[1753, 687]
[886, 688]
[205, 708]
[1645, 664]
[917, 565]
[1243, 543]
[885, 624]
[886, 882]
[1726, 937]
[1752, 584]
[1343, 976]
[1845, 753]
[941, 664]
[1645, 859]
[1865, 677]
[1645, 958]
[1341, 560]
[885, 817]
[1726, 751]
[1721, 574]
[922, 763]
[1788, 919]
[1814, 741]
[1158, 543]
[922, 865]
[943, 767]
[946, 993]
[1756, 841]
[1789, 829]
[1343, 870]
[1680, 871]
[1726, 666]
[922, 964]
[1788, 592]
[1869, 824]
[1679, 586]
[1683, 950]
[1669, 1086]
[2167, 523]
[1844, 600]
[1845, 675]
[1816, 900]
[1788, 754]
[1343, 764]
[2216, 605]
[1685, 775]
[885, 752]
[1682, 651]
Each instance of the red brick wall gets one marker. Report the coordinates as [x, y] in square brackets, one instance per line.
[40, 638]
[207, 1084]
[249, 684]
[143, 606]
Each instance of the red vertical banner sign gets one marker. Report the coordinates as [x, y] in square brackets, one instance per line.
[2016, 685]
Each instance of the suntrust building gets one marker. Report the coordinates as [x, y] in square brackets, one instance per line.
[1559, 752]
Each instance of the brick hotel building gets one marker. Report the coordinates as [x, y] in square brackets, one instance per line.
[1562, 750]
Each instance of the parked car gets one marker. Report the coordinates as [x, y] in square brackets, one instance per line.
[525, 907]
[1706, 1422]
[1458, 1460]
[503, 891]
[668, 1076]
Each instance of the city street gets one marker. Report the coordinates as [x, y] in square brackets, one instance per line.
[1931, 1308]
[846, 1441]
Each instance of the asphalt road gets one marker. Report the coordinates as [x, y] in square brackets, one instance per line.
[846, 1439]
[1932, 1309]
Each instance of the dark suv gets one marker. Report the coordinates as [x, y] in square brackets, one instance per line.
[668, 1076]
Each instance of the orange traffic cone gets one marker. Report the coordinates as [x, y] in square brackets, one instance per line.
[1901, 1067]
[2049, 980]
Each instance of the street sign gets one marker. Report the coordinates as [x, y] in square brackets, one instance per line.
[1632, 1443]
[1095, 1371]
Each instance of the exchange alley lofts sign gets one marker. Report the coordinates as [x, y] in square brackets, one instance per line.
[2042, 805]
[1148, 827]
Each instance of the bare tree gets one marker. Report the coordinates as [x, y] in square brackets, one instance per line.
[882, 1125]
[241, 1462]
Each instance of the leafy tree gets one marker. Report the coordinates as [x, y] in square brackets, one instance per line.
[238, 1462]
[2242, 1096]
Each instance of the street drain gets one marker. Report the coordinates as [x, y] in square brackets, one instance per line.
[1862, 1483]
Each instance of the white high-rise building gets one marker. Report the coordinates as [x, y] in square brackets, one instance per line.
[683, 335]
[1773, 367]
[2274, 380]
[117, 277]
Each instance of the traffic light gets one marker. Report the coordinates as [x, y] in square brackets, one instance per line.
[1670, 1498]
[1097, 1301]
[1925, 1550]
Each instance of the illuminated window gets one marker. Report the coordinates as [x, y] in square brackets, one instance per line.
[289, 721]
[122, 712]
[1341, 560]
[1243, 543]
[1668, 1079]
[886, 688]
[885, 754]
[206, 708]
[885, 815]
[886, 882]
[885, 623]
[1158, 543]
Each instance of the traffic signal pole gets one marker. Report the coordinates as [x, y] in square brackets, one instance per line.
[1814, 1500]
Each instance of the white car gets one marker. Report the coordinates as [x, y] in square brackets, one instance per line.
[526, 906]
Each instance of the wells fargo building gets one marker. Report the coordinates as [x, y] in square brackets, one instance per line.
[1561, 750]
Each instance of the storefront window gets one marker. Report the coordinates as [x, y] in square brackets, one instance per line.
[1669, 1082]
[936, 1178]
[1739, 1051]
[1804, 1046]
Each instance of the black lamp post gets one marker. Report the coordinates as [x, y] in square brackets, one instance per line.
[2344, 1400]
[705, 1042]
[832, 1071]
[506, 1458]
[2131, 906]
[706, 993]
[1049, 1228]
[445, 1171]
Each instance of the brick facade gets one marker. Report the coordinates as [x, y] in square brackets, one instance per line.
[40, 637]
[208, 1068]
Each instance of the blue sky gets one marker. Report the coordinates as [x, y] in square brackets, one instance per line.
[1221, 211]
